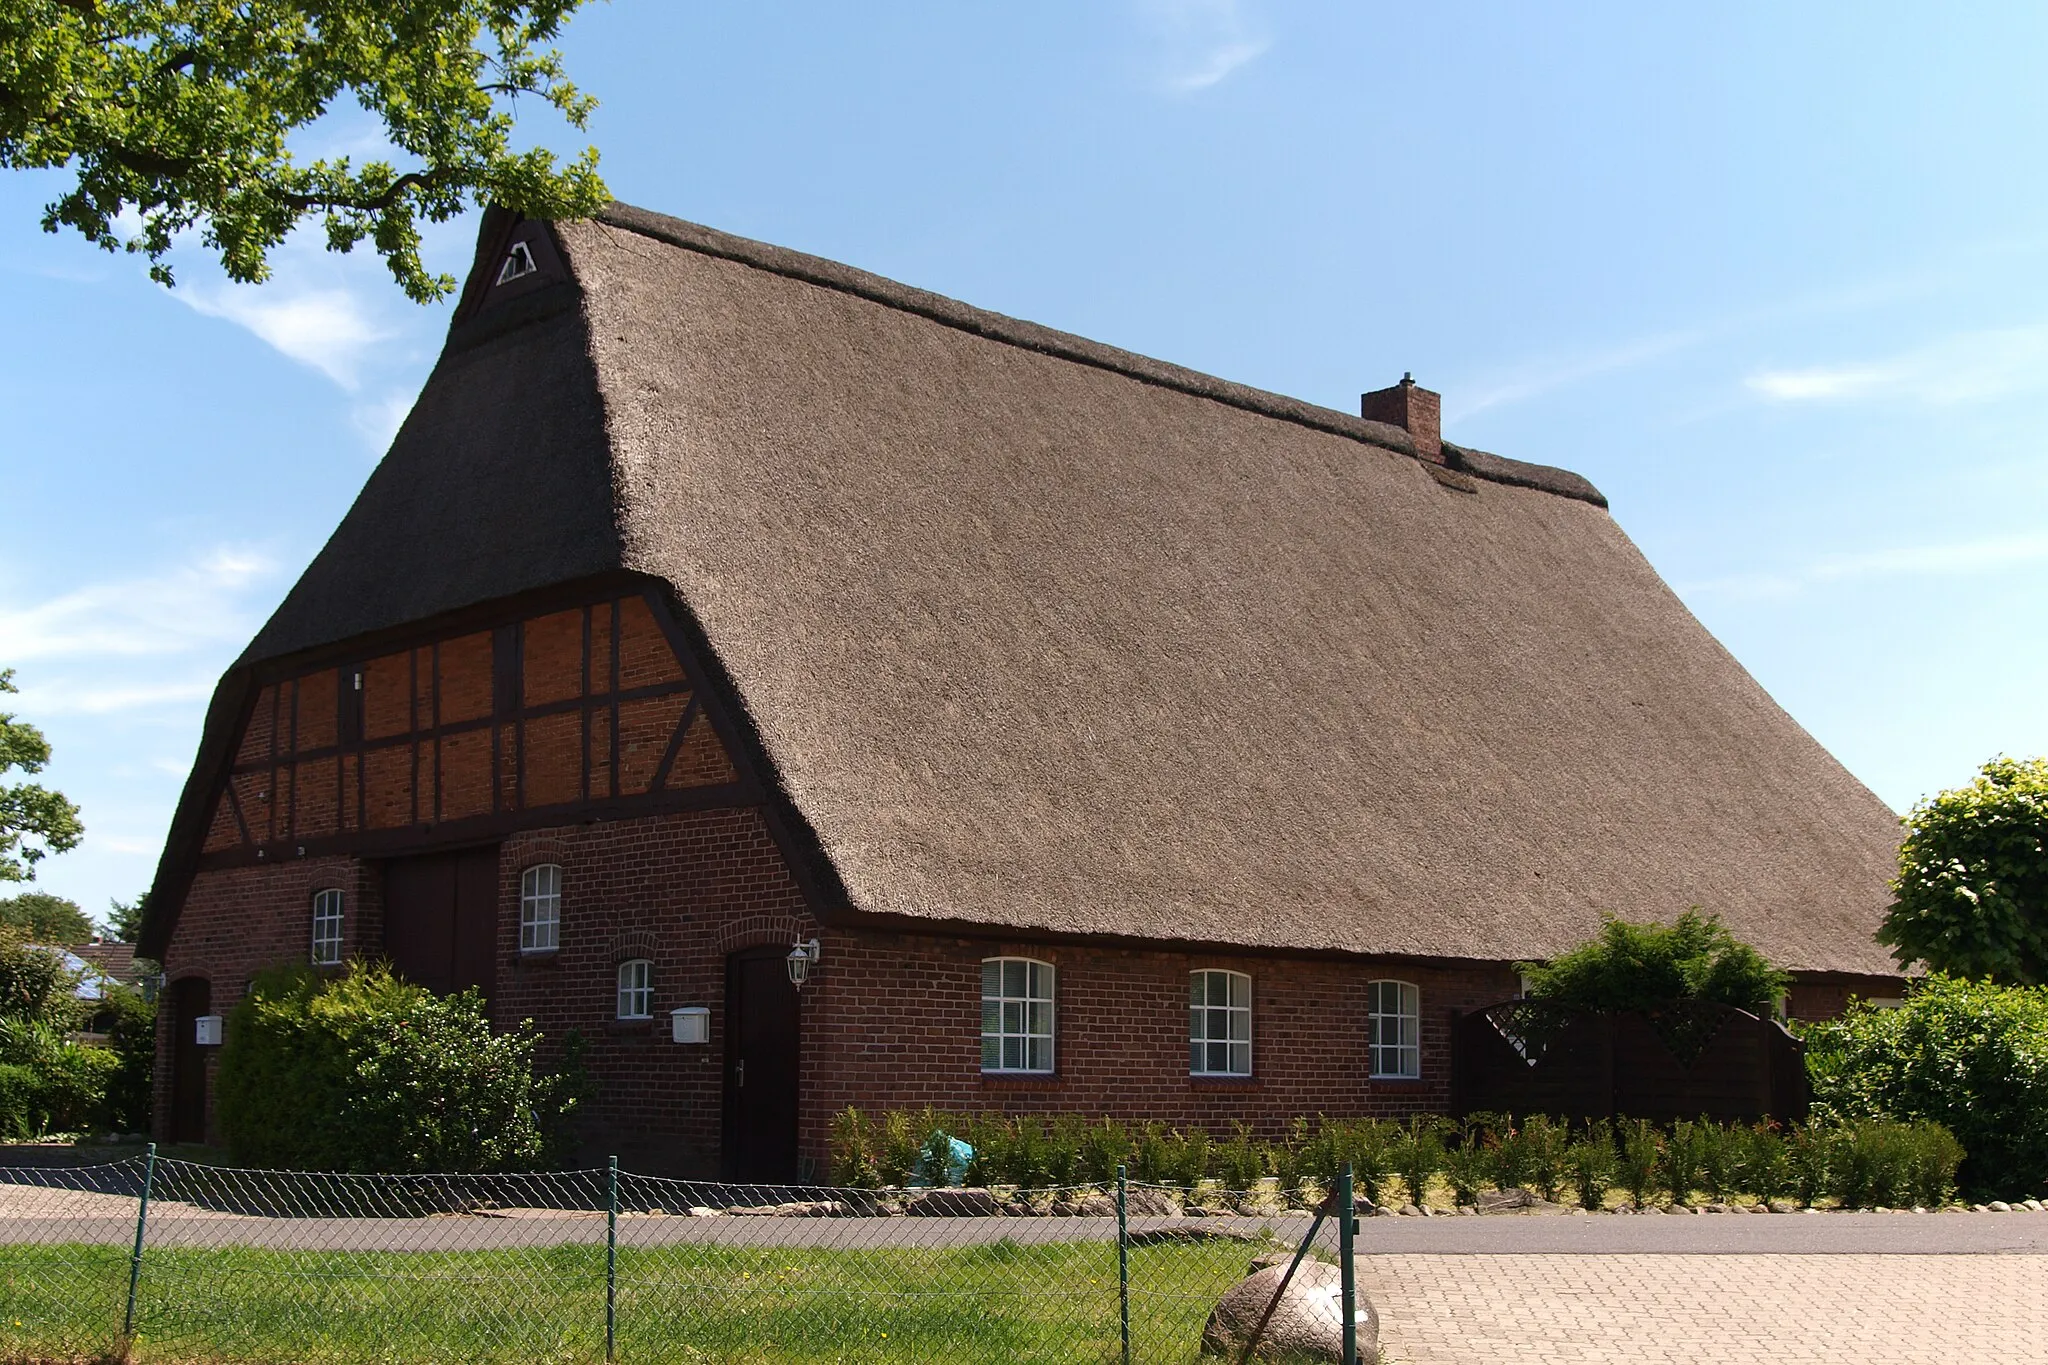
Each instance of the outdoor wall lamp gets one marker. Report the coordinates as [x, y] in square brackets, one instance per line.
[802, 960]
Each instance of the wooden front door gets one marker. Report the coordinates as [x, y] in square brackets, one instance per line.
[190, 998]
[441, 919]
[760, 1068]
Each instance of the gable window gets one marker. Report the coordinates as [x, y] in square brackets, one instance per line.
[1016, 1014]
[636, 989]
[1219, 1024]
[1396, 1030]
[327, 928]
[540, 909]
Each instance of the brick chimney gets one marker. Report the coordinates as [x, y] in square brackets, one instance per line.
[1414, 409]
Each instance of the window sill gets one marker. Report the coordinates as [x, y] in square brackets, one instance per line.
[538, 957]
[1207, 1082]
[1021, 1080]
[629, 1027]
[1397, 1080]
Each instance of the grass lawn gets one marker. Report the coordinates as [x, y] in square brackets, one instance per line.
[997, 1302]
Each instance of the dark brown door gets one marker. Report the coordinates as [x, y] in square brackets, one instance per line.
[441, 919]
[760, 1068]
[190, 998]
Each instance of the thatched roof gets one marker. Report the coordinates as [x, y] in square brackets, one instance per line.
[1037, 633]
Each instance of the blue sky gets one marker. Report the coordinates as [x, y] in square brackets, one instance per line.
[1774, 277]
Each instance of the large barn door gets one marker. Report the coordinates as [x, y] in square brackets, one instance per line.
[441, 919]
[760, 1068]
[190, 998]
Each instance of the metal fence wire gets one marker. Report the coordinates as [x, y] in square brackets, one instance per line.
[175, 1261]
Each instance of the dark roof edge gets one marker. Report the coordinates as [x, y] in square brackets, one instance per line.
[1031, 336]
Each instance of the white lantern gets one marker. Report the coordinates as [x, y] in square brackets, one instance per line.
[802, 960]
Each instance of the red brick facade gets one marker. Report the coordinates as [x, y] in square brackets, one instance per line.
[888, 1019]
[580, 737]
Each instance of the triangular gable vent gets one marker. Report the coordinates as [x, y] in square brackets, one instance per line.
[518, 263]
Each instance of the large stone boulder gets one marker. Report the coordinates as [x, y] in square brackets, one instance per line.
[1307, 1323]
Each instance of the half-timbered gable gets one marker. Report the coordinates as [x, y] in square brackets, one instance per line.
[471, 730]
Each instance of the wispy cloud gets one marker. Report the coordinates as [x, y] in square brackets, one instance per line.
[1203, 41]
[1539, 377]
[328, 329]
[1968, 367]
[1988, 554]
[204, 602]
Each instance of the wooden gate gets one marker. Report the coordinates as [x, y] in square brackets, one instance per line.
[1682, 1060]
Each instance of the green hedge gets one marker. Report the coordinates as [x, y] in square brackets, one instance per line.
[1969, 1055]
[367, 1072]
[1871, 1163]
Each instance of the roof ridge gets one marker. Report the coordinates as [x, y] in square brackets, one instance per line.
[1032, 336]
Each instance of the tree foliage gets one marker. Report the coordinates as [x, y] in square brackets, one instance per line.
[1638, 966]
[1971, 1055]
[48, 1082]
[367, 1072]
[184, 111]
[1971, 896]
[124, 918]
[34, 821]
[45, 918]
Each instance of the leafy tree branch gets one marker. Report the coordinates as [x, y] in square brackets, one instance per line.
[182, 111]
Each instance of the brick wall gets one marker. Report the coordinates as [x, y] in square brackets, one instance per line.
[890, 1019]
[895, 1020]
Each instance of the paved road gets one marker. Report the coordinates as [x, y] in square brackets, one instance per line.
[1729, 1309]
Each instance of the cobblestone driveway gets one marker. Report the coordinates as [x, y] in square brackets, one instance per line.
[1729, 1310]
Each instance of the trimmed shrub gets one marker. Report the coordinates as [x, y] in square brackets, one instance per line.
[1766, 1162]
[1467, 1166]
[1684, 1155]
[365, 1072]
[1968, 1055]
[1640, 966]
[1641, 1153]
[1419, 1155]
[1590, 1161]
[1810, 1153]
[1545, 1167]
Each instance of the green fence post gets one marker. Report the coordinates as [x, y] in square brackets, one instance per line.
[1347, 1225]
[141, 1222]
[611, 1261]
[1123, 1261]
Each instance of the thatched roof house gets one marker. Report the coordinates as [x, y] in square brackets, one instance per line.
[1035, 633]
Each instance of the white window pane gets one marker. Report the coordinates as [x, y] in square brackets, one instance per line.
[1240, 991]
[1041, 981]
[1041, 1019]
[1040, 1054]
[1014, 978]
[1013, 1016]
[991, 1016]
[1013, 1053]
[1240, 1026]
[991, 1053]
[1241, 1059]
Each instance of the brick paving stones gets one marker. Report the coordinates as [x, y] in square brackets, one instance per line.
[1550, 1309]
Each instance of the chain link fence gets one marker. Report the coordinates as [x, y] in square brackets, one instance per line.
[173, 1261]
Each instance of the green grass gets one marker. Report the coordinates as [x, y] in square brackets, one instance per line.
[1002, 1301]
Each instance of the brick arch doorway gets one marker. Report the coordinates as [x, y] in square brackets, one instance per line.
[762, 1032]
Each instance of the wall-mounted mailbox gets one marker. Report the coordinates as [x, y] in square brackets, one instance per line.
[691, 1023]
[206, 1030]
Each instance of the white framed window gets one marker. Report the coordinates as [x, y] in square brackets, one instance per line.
[1219, 1024]
[1016, 1014]
[327, 928]
[636, 989]
[1396, 1029]
[540, 909]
